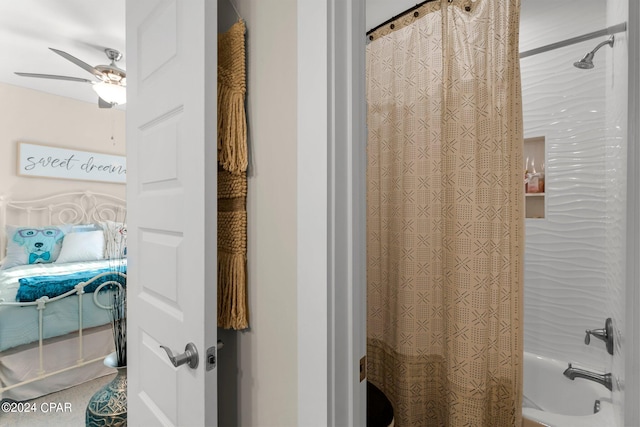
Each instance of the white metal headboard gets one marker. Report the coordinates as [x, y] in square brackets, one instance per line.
[66, 208]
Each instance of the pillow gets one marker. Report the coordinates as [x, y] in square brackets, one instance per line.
[33, 245]
[81, 228]
[115, 236]
[84, 246]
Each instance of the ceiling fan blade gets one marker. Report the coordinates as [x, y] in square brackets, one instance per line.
[104, 104]
[78, 62]
[55, 77]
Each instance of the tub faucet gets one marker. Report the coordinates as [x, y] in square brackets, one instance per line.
[573, 373]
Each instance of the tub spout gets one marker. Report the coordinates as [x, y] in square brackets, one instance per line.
[573, 373]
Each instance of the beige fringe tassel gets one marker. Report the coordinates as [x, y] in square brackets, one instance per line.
[232, 123]
[232, 251]
[232, 180]
[231, 127]
[232, 313]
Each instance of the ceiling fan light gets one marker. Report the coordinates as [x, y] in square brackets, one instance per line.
[112, 93]
[114, 77]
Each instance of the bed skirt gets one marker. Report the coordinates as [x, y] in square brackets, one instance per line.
[22, 363]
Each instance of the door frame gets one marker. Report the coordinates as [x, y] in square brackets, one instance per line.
[331, 212]
[632, 290]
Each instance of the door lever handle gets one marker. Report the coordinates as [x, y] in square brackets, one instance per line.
[189, 356]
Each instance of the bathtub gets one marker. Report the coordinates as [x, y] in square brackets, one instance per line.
[553, 400]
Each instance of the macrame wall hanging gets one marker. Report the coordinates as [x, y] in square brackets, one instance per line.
[232, 180]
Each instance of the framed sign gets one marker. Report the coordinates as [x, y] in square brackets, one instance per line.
[37, 160]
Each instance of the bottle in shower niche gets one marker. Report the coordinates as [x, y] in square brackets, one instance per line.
[536, 179]
[526, 175]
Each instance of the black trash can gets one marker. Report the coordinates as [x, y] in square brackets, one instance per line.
[379, 409]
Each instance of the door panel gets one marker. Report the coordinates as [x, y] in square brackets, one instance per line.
[171, 118]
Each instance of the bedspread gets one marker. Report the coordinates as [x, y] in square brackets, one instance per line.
[32, 288]
[19, 325]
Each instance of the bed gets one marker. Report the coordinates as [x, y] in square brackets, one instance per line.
[61, 257]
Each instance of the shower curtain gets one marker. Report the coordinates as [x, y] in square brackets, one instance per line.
[445, 215]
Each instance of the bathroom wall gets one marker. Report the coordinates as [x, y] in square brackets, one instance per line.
[573, 256]
[379, 11]
[543, 22]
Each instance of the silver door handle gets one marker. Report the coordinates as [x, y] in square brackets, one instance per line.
[189, 356]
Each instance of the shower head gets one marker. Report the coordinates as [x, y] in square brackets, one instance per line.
[586, 62]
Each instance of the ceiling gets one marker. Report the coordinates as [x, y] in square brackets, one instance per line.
[82, 28]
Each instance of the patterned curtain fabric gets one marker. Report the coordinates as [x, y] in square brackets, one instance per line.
[445, 215]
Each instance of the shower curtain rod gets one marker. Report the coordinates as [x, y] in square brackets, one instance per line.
[604, 32]
[400, 15]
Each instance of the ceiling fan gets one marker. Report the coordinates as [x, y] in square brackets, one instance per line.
[111, 84]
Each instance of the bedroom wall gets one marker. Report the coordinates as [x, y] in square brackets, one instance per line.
[262, 386]
[31, 116]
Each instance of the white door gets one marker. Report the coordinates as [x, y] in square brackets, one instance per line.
[171, 197]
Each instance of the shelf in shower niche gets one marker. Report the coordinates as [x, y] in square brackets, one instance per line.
[535, 205]
[534, 151]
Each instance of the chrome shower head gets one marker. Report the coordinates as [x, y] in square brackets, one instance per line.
[586, 62]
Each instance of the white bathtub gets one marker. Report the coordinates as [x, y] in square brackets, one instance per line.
[561, 402]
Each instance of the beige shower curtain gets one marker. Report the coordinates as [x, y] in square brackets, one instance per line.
[445, 218]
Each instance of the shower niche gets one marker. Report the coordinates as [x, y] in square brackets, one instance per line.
[534, 177]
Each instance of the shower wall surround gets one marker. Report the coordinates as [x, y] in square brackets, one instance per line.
[574, 257]
[565, 255]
